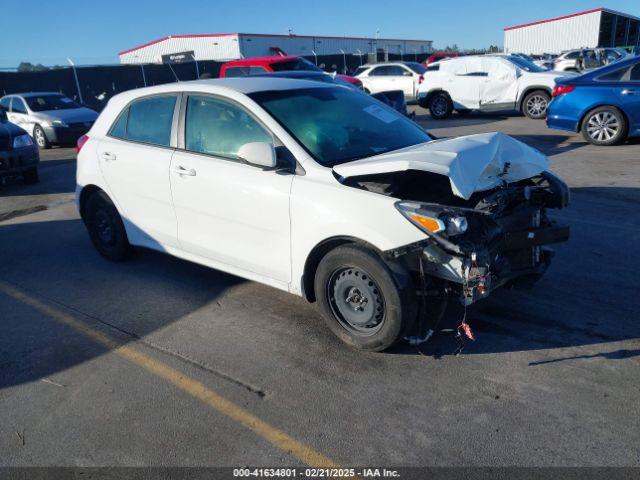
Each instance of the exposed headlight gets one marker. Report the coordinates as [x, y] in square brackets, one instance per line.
[457, 225]
[22, 141]
[432, 219]
[54, 123]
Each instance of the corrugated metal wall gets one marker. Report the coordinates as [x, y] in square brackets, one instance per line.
[222, 47]
[555, 36]
[230, 47]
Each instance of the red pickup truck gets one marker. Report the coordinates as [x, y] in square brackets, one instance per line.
[273, 63]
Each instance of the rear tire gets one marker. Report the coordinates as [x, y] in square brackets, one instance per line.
[362, 300]
[440, 106]
[535, 104]
[31, 176]
[604, 126]
[105, 227]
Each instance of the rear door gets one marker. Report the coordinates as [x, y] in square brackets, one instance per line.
[135, 158]
[500, 88]
[629, 92]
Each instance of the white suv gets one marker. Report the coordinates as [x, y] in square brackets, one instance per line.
[321, 191]
[383, 77]
[487, 83]
[584, 59]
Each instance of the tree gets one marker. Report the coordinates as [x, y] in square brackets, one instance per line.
[30, 67]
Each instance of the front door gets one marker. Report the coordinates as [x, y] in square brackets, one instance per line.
[228, 211]
[135, 159]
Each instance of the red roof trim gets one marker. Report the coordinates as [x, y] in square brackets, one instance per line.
[200, 35]
[600, 9]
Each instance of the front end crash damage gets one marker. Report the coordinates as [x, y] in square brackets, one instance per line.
[505, 243]
[483, 206]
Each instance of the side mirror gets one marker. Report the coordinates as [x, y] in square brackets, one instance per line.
[260, 154]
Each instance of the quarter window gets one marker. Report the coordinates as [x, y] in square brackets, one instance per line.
[387, 71]
[147, 120]
[220, 128]
[18, 106]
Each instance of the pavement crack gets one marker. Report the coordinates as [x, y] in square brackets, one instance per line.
[21, 212]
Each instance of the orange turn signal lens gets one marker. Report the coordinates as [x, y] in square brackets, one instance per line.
[429, 223]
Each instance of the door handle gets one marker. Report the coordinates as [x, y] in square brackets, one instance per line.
[628, 91]
[108, 156]
[180, 170]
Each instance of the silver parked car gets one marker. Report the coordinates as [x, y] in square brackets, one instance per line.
[587, 58]
[50, 118]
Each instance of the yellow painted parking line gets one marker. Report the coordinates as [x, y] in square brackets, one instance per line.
[271, 434]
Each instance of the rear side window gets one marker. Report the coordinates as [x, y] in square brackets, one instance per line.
[4, 104]
[236, 72]
[220, 128]
[615, 76]
[147, 120]
[635, 73]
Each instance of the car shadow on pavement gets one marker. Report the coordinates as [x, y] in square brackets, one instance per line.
[54, 261]
[56, 176]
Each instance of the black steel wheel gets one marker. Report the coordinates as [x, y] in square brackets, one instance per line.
[364, 302]
[105, 227]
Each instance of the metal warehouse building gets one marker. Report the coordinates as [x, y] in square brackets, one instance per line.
[232, 46]
[599, 27]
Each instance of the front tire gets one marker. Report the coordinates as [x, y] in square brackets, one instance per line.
[105, 227]
[362, 301]
[440, 106]
[41, 138]
[604, 126]
[535, 104]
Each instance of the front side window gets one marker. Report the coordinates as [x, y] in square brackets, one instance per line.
[416, 67]
[18, 106]
[43, 103]
[338, 125]
[387, 71]
[147, 120]
[217, 127]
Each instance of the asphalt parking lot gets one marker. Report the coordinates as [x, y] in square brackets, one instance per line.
[157, 361]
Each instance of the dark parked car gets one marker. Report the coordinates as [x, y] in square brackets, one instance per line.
[394, 98]
[50, 118]
[603, 104]
[18, 153]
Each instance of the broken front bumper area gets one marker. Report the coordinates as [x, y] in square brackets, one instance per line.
[519, 258]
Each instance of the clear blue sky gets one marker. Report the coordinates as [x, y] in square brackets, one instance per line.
[93, 32]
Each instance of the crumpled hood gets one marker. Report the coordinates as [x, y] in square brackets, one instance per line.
[473, 163]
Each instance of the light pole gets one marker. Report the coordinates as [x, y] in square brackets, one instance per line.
[75, 75]
[344, 61]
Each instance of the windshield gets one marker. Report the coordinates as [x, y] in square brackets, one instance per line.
[336, 125]
[525, 65]
[416, 67]
[296, 64]
[43, 103]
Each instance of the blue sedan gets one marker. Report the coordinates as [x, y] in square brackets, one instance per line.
[603, 104]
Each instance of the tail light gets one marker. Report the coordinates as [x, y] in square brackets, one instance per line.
[81, 141]
[420, 79]
[563, 89]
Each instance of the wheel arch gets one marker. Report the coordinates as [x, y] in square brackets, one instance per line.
[533, 88]
[316, 255]
[85, 193]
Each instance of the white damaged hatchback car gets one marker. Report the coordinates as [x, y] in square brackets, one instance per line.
[321, 191]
